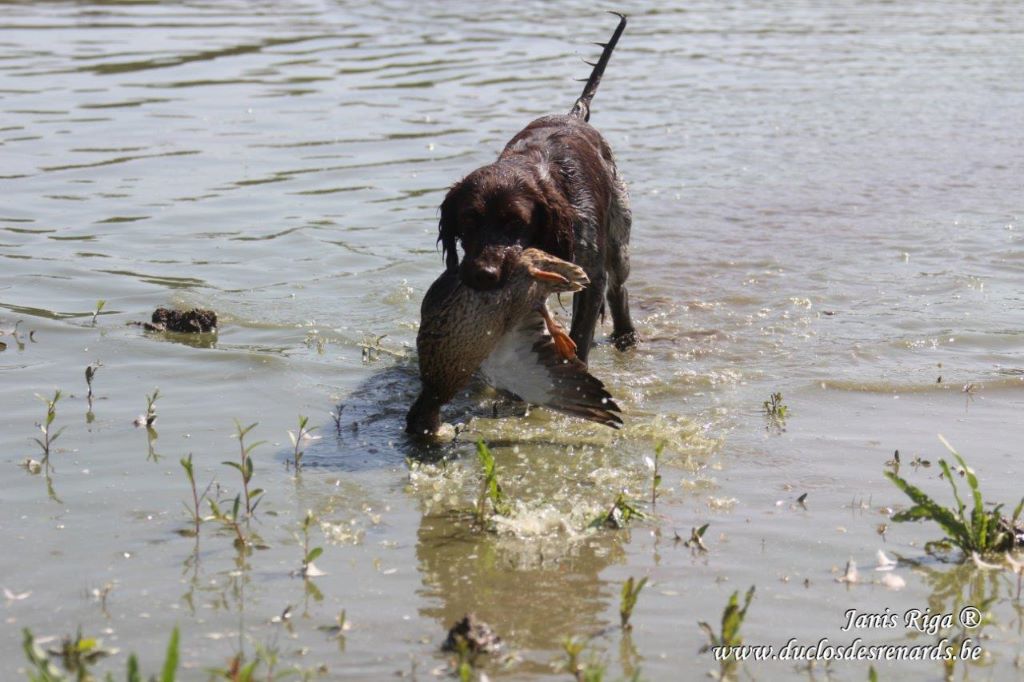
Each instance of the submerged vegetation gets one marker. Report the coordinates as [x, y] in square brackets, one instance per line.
[976, 527]
[308, 570]
[618, 515]
[984, 531]
[151, 407]
[655, 466]
[197, 499]
[90, 374]
[470, 639]
[96, 312]
[490, 489]
[299, 439]
[729, 635]
[78, 655]
[148, 418]
[630, 593]
[245, 466]
[590, 670]
[46, 427]
[336, 413]
[696, 541]
[230, 521]
[982, 528]
[775, 411]
[17, 337]
[45, 443]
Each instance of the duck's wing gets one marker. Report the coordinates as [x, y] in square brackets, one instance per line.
[526, 362]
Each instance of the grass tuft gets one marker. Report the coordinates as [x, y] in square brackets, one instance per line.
[197, 499]
[630, 592]
[732, 621]
[245, 466]
[150, 416]
[78, 655]
[776, 412]
[46, 427]
[230, 521]
[299, 439]
[309, 555]
[655, 466]
[618, 515]
[490, 489]
[983, 531]
[99, 308]
[591, 670]
[90, 374]
[696, 541]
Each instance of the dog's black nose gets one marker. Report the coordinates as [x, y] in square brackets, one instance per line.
[482, 276]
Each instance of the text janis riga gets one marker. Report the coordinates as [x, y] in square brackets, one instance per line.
[912, 619]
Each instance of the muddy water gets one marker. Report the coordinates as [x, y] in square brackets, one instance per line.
[827, 204]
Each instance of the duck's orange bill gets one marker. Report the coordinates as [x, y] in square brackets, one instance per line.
[547, 276]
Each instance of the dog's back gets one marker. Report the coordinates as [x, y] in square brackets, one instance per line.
[554, 186]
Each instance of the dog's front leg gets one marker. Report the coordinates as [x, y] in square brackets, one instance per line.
[586, 308]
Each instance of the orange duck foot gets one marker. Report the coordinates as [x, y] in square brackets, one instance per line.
[565, 346]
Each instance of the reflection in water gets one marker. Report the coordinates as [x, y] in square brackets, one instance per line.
[368, 429]
[50, 490]
[369, 426]
[151, 436]
[967, 586]
[539, 575]
[190, 576]
[201, 341]
[521, 583]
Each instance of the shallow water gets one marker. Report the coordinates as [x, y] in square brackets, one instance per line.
[827, 203]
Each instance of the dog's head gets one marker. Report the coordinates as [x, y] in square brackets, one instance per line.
[495, 212]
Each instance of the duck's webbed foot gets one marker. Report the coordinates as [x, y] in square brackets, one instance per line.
[565, 346]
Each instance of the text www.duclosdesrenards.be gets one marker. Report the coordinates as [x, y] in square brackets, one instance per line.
[857, 650]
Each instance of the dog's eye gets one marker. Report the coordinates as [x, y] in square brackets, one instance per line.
[512, 221]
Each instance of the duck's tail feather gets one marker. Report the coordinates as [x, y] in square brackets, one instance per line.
[527, 363]
[574, 390]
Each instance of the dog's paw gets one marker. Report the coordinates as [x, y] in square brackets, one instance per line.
[626, 340]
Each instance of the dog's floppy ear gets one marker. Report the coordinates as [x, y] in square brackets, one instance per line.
[553, 224]
[447, 227]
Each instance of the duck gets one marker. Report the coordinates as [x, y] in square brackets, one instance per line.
[510, 336]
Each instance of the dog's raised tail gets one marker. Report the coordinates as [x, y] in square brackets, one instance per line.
[582, 107]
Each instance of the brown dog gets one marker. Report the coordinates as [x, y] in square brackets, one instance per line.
[554, 187]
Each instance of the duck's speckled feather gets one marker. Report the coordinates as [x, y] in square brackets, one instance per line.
[525, 363]
[501, 332]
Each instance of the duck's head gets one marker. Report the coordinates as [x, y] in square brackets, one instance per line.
[424, 417]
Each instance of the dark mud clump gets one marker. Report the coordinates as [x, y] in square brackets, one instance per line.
[194, 321]
[477, 636]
